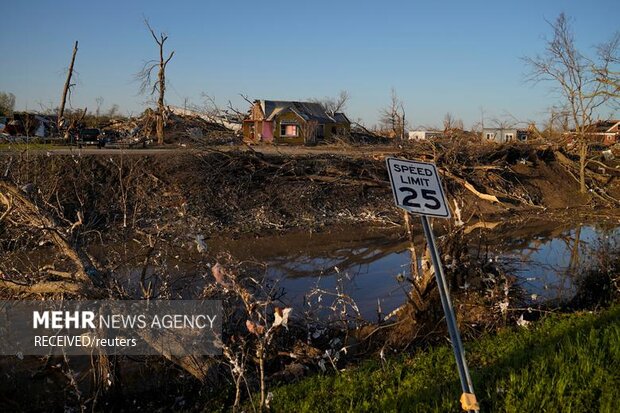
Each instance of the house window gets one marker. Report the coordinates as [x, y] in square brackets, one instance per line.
[289, 130]
[489, 136]
[509, 137]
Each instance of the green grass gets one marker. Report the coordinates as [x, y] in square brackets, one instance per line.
[567, 363]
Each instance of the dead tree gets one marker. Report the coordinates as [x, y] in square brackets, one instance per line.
[7, 104]
[333, 104]
[392, 117]
[451, 124]
[158, 86]
[67, 88]
[576, 78]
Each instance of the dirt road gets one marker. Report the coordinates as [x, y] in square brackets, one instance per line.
[361, 151]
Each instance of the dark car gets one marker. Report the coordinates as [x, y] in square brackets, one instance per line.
[108, 136]
[89, 136]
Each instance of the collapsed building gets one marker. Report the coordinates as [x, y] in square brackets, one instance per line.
[29, 124]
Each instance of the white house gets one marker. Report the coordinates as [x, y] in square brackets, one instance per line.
[501, 135]
[424, 134]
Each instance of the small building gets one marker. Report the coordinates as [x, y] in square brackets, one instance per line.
[275, 121]
[606, 132]
[424, 134]
[504, 135]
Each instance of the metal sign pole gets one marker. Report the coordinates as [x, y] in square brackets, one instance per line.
[417, 188]
[442, 285]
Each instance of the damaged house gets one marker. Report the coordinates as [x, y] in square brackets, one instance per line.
[30, 124]
[606, 132]
[274, 121]
[504, 135]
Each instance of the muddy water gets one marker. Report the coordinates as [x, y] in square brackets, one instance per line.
[365, 262]
[547, 257]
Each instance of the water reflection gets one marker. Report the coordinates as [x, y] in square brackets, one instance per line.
[545, 256]
[550, 266]
[367, 263]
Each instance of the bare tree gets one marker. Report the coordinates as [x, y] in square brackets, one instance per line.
[555, 127]
[159, 86]
[113, 111]
[610, 75]
[99, 101]
[451, 124]
[7, 103]
[392, 117]
[67, 89]
[334, 104]
[576, 77]
[503, 123]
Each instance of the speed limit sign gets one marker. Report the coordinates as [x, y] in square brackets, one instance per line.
[417, 188]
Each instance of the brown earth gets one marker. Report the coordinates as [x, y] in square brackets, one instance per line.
[250, 191]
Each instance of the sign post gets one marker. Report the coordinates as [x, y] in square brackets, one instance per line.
[417, 189]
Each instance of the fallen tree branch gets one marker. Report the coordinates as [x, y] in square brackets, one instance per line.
[32, 216]
[470, 187]
[44, 287]
[8, 202]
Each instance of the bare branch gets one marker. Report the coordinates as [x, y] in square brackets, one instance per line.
[333, 105]
[168, 59]
[246, 98]
[580, 81]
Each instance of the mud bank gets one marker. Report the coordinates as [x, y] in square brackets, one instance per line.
[244, 191]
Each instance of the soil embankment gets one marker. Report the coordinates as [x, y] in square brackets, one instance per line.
[253, 192]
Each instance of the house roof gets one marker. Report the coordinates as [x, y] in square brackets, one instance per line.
[508, 130]
[305, 110]
[600, 127]
[340, 117]
[603, 126]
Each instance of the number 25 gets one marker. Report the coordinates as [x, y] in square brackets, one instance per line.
[427, 195]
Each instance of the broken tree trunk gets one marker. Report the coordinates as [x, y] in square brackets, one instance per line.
[583, 154]
[86, 280]
[421, 277]
[471, 188]
[25, 212]
[65, 91]
[161, 76]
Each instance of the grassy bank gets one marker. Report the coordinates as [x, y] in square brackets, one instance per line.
[568, 363]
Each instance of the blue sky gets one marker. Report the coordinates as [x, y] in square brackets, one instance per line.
[449, 56]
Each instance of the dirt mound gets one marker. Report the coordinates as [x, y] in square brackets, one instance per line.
[248, 191]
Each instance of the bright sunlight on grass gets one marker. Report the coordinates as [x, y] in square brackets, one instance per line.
[567, 363]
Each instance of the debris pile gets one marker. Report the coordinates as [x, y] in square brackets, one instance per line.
[196, 131]
[190, 130]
